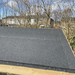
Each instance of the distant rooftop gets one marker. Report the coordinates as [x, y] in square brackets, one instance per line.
[31, 16]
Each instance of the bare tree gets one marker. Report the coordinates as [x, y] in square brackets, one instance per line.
[47, 9]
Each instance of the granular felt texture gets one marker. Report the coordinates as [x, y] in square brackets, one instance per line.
[36, 47]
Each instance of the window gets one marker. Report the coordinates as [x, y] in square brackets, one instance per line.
[10, 19]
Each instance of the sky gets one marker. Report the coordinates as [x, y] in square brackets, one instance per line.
[56, 5]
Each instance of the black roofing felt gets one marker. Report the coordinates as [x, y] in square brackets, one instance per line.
[39, 48]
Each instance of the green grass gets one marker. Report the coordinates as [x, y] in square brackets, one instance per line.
[72, 45]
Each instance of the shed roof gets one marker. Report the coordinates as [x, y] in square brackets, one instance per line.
[26, 17]
[37, 48]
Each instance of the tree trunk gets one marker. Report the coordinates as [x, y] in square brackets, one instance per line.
[51, 23]
[37, 20]
[47, 21]
[67, 31]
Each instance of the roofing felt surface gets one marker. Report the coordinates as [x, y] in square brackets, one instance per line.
[40, 48]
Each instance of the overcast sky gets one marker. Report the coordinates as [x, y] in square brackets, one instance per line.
[56, 4]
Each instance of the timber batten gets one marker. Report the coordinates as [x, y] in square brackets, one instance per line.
[9, 63]
[18, 70]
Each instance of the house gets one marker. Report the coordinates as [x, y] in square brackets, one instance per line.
[17, 20]
[22, 20]
[13, 20]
